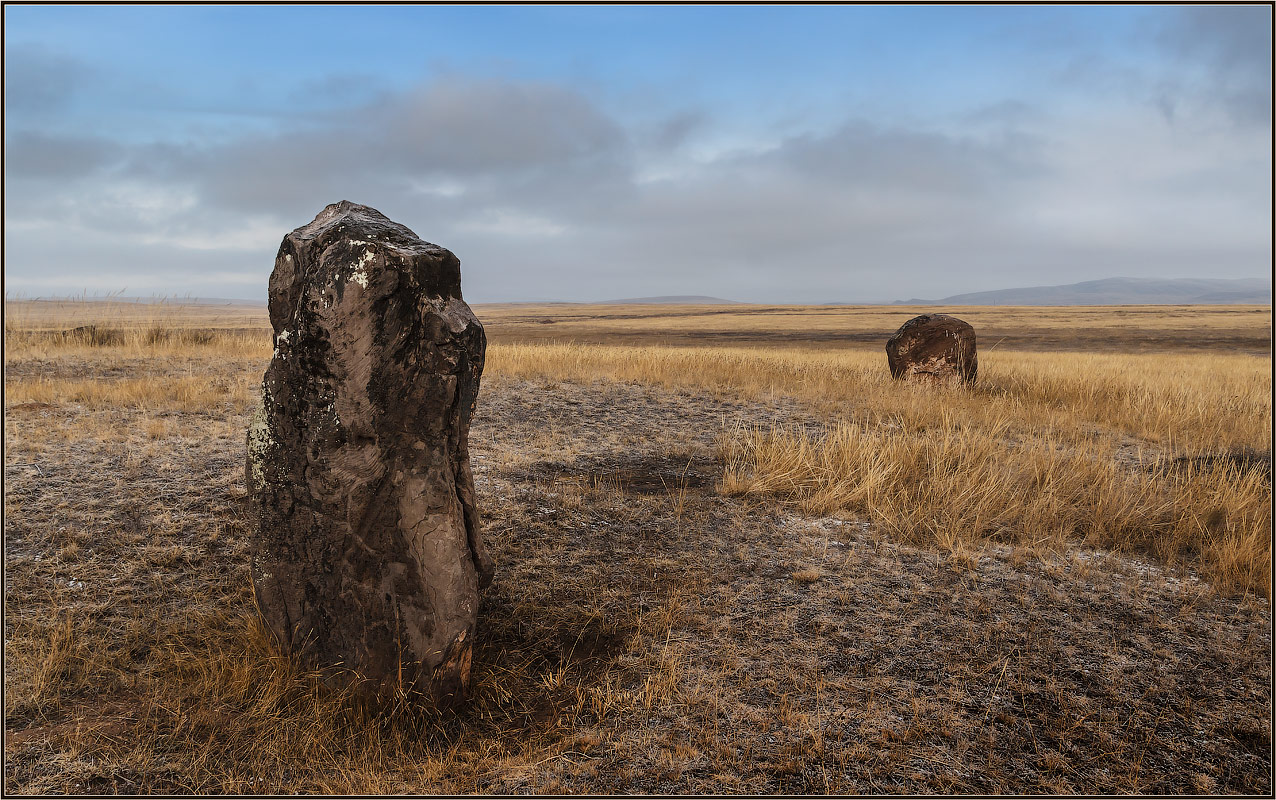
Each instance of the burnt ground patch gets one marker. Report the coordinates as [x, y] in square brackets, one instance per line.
[641, 473]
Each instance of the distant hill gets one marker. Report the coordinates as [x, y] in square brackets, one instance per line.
[671, 299]
[1119, 291]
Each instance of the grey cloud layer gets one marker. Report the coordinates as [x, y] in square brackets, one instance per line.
[428, 140]
[545, 195]
[39, 80]
[1231, 50]
[38, 155]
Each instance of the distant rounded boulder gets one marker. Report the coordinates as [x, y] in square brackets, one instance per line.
[933, 348]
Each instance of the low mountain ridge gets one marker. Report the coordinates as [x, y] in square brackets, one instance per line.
[1119, 291]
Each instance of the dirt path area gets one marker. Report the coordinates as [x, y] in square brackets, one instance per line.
[644, 633]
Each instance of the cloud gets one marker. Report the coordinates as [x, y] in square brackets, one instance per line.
[545, 194]
[37, 79]
[502, 222]
[673, 131]
[862, 154]
[1226, 56]
[473, 159]
[35, 154]
[461, 127]
[528, 138]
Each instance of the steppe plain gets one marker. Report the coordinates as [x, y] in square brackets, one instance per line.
[732, 556]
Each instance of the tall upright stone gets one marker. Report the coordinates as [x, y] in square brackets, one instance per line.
[933, 348]
[368, 559]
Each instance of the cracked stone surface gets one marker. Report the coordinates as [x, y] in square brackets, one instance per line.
[368, 558]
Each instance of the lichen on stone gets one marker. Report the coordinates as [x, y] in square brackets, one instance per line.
[260, 441]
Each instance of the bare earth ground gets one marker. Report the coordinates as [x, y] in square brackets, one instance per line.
[644, 633]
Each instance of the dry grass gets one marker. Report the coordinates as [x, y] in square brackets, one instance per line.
[171, 314]
[177, 394]
[721, 568]
[1108, 329]
[958, 487]
[78, 329]
[1186, 402]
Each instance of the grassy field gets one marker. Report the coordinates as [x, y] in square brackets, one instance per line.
[732, 555]
[1115, 329]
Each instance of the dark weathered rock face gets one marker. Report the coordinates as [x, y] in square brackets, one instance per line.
[367, 551]
[933, 348]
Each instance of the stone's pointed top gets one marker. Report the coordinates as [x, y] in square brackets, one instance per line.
[356, 218]
[346, 207]
[345, 231]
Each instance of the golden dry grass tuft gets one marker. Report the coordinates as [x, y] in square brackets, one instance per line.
[957, 487]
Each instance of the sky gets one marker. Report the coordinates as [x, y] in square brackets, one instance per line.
[779, 154]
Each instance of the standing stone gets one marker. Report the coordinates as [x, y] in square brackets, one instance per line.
[933, 348]
[367, 555]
